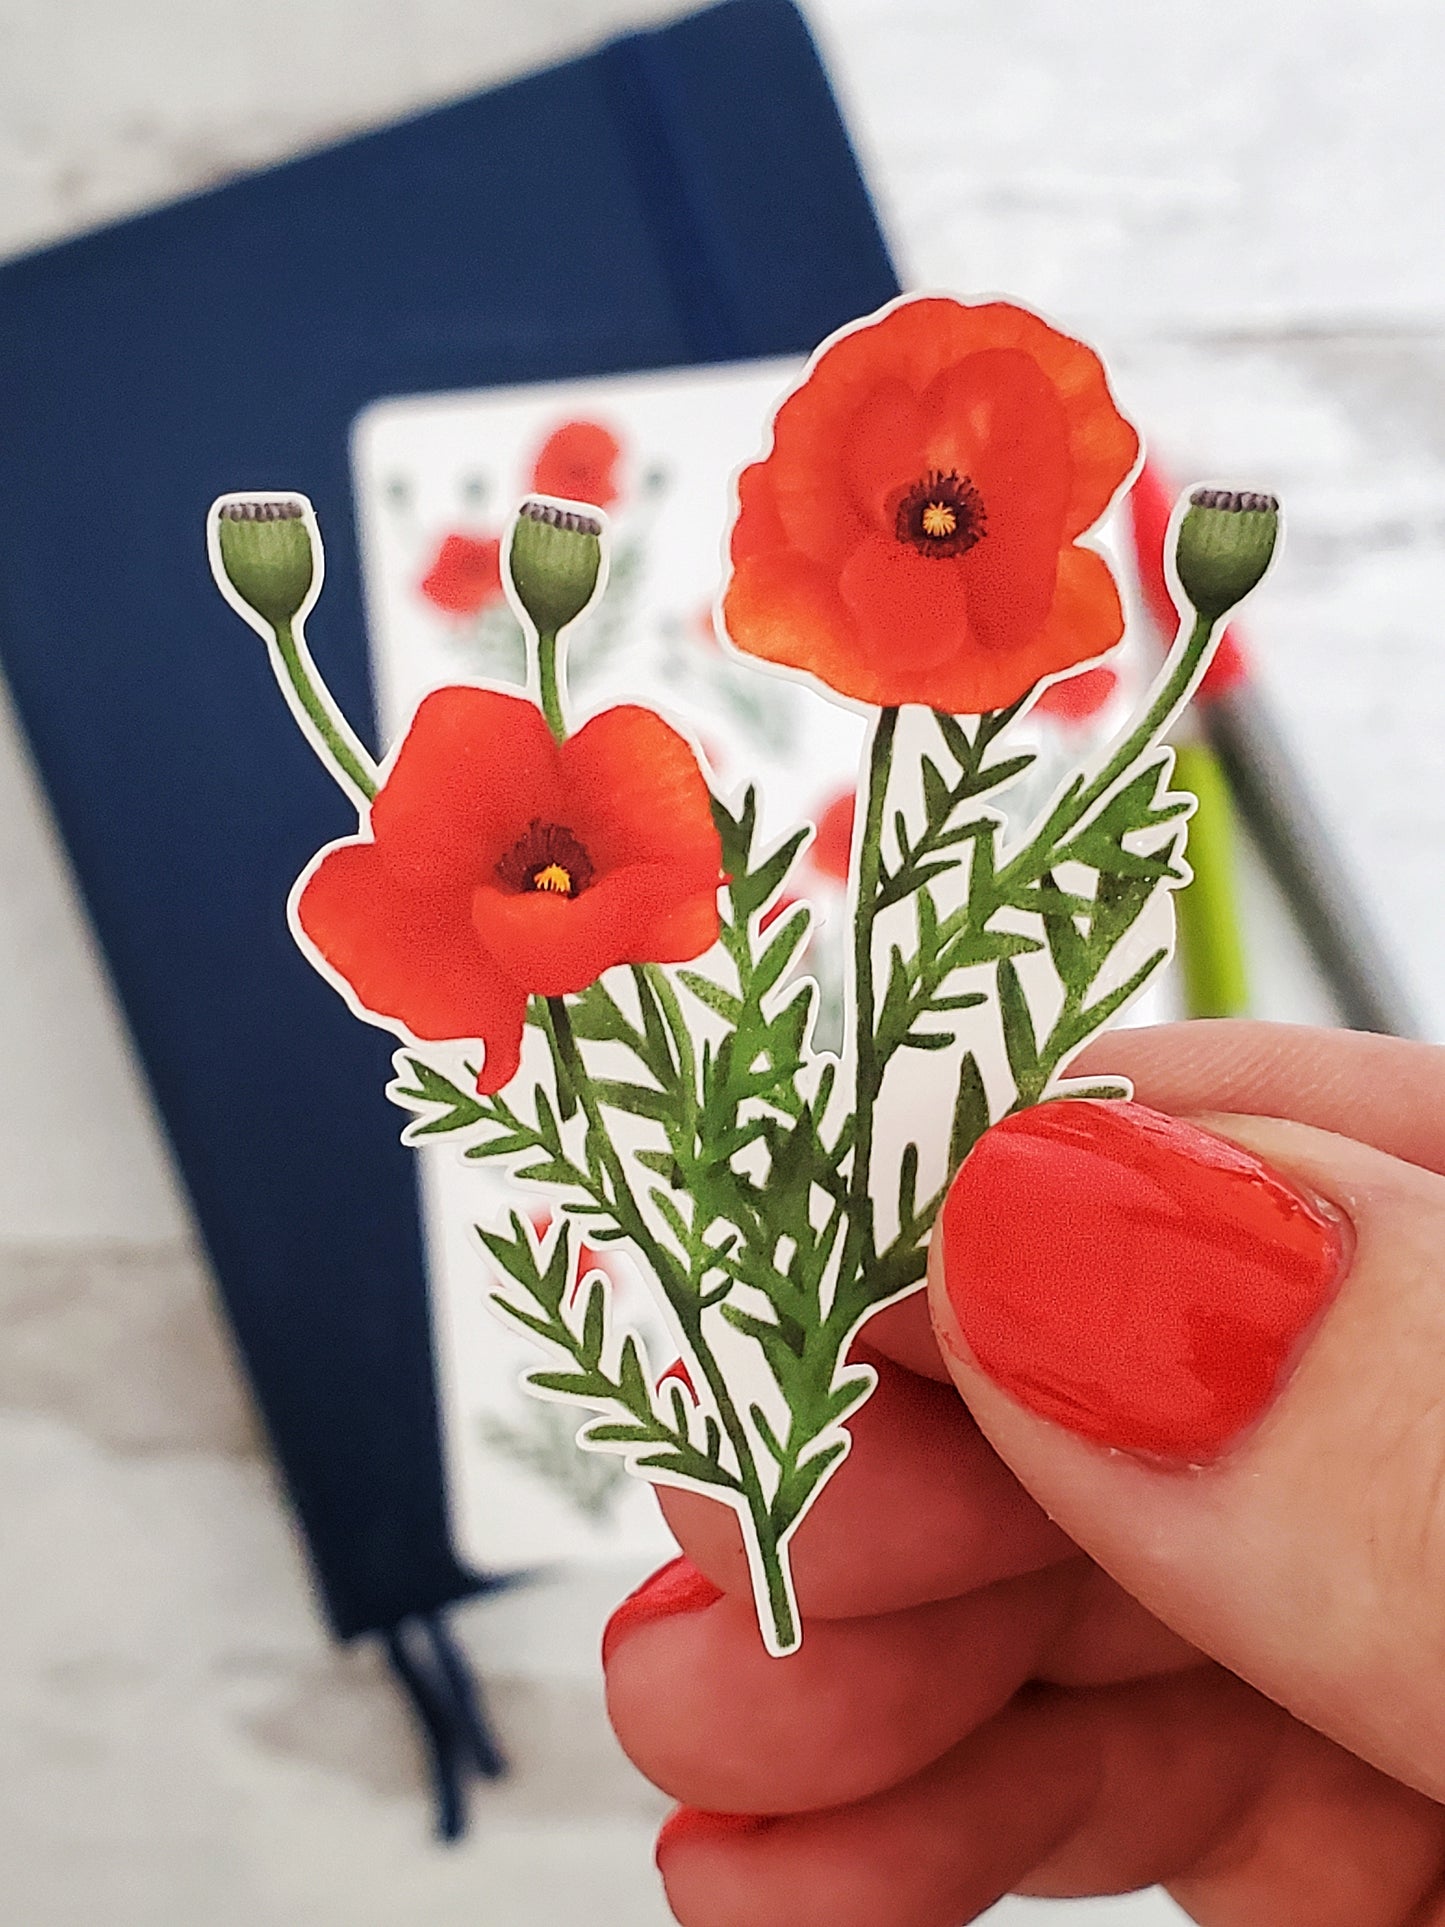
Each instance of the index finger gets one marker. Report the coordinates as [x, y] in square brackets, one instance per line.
[1382, 1091]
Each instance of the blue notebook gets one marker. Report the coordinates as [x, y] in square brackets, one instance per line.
[678, 197]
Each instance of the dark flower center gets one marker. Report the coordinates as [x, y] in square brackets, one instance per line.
[941, 515]
[548, 859]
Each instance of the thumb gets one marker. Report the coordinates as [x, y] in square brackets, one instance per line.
[1215, 1353]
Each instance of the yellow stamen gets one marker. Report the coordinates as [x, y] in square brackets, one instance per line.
[553, 879]
[939, 519]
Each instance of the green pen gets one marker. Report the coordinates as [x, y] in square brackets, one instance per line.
[1211, 943]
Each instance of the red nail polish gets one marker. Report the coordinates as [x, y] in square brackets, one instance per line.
[677, 1587]
[1140, 1281]
[692, 1823]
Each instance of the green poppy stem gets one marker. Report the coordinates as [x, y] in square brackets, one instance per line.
[550, 677]
[866, 1074]
[858, 1242]
[310, 699]
[1040, 853]
[628, 1215]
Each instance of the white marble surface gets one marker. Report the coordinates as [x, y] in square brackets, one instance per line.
[1241, 204]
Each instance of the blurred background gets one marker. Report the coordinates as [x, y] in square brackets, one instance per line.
[1241, 207]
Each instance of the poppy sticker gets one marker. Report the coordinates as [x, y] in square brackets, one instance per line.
[915, 532]
[595, 961]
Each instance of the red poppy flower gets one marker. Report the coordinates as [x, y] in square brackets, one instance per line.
[500, 864]
[1077, 698]
[703, 627]
[779, 907]
[678, 1370]
[912, 535]
[576, 464]
[588, 1260]
[832, 849]
[466, 575]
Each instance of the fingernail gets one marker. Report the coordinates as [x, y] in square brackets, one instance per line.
[677, 1587]
[1141, 1281]
[692, 1823]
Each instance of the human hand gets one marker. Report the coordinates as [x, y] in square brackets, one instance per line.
[1038, 1664]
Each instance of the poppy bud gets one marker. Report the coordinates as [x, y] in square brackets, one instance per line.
[555, 561]
[1224, 546]
[265, 550]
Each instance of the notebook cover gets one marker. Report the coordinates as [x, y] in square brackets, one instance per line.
[678, 197]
